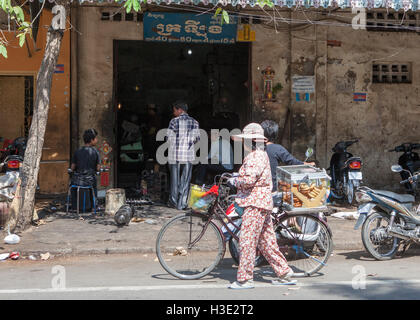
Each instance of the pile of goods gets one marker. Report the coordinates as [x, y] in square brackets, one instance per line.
[311, 191]
[303, 186]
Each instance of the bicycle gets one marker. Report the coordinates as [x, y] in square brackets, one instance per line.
[191, 245]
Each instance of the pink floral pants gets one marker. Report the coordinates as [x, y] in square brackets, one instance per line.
[257, 231]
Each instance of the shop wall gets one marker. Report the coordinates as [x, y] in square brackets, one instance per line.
[391, 114]
[387, 118]
[55, 157]
[95, 74]
[271, 48]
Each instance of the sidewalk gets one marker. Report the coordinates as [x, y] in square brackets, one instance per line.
[65, 234]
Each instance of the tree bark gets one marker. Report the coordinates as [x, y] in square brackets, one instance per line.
[33, 153]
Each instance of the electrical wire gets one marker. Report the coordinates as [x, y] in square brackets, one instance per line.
[322, 21]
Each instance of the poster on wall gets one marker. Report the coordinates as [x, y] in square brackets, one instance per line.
[303, 84]
[188, 28]
[359, 96]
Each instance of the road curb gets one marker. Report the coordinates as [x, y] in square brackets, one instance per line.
[62, 252]
[88, 251]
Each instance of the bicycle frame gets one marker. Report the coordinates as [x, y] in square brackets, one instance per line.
[217, 212]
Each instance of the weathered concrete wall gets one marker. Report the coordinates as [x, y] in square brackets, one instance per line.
[388, 117]
[95, 54]
[271, 48]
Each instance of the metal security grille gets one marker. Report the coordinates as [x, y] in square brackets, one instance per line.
[121, 16]
[29, 102]
[392, 21]
[391, 73]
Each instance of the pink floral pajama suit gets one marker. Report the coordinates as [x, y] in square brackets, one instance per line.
[254, 185]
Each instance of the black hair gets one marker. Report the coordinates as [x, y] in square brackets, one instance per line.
[89, 135]
[271, 130]
[180, 104]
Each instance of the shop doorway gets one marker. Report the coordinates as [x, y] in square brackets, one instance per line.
[149, 76]
[16, 101]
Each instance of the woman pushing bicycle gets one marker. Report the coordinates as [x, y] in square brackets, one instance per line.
[254, 186]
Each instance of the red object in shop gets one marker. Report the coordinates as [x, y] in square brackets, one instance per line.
[104, 179]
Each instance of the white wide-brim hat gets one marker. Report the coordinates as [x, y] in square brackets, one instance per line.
[251, 131]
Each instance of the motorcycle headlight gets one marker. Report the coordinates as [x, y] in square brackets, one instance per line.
[362, 197]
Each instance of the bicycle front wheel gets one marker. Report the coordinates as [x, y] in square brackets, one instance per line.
[305, 241]
[189, 246]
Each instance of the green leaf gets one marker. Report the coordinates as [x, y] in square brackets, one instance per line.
[218, 10]
[3, 51]
[21, 37]
[269, 3]
[225, 16]
[136, 5]
[128, 4]
[19, 13]
[3, 5]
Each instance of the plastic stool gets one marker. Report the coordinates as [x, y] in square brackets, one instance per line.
[84, 197]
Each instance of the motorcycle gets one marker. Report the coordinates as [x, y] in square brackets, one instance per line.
[409, 160]
[9, 181]
[345, 172]
[12, 157]
[388, 219]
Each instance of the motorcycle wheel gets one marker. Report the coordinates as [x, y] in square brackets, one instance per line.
[350, 192]
[375, 238]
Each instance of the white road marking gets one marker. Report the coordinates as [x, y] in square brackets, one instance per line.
[200, 286]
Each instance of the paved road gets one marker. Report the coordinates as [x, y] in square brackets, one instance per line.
[139, 276]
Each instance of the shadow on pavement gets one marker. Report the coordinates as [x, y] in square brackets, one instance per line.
[369, 291]
[365, 256]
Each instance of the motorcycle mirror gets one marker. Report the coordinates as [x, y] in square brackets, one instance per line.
[309, 152]
[396, 168]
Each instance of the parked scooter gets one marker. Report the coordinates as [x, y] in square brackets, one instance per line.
[389, 219]
[409, 160]
[12, 157]
[8, 181]
[345, 172]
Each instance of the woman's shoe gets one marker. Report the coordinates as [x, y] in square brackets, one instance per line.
[249, 284]
[286, 279]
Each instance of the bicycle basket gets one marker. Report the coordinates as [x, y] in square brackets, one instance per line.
[206, 200]
[196, 192]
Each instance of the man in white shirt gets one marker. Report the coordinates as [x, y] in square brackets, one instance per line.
[220, 158]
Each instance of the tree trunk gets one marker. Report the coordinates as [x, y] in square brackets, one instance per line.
[33, 153]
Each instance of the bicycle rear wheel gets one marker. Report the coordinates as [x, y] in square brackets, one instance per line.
[305, 242]
[189, 246]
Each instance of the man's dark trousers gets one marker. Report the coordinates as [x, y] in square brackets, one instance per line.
[180, 184]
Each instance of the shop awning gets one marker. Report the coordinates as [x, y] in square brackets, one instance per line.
[343, 4]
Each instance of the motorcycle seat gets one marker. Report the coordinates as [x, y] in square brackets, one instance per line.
[403, 198]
